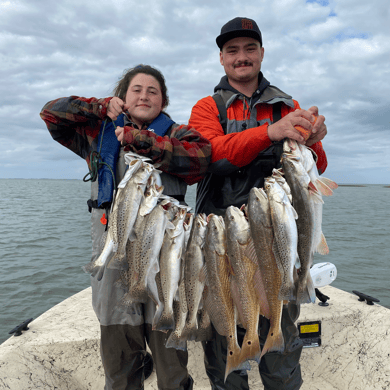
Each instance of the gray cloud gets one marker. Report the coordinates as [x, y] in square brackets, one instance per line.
[333, 54]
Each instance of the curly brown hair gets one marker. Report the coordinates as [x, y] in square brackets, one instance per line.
[128, 75]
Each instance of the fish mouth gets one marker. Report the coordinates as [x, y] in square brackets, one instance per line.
[208, 218]
[289, 156]
[243, 208]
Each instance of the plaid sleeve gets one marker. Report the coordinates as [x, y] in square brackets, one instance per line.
[184, 153]
[75, 121]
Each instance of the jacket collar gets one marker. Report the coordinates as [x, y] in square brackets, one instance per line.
[265, 93]
[224, 85]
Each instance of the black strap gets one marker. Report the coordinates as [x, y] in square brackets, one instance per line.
[222, 111]
[276, 111]
[93, 204]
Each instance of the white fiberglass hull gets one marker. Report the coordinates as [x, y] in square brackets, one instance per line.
[61, 349]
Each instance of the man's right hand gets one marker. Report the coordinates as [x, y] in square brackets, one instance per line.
[284, 128]
[115, 107]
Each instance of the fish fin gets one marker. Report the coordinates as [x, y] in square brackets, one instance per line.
[99, 274]
[190, 331]
[122, 283]
[261, 293]
[176, 342]
[126, 301]
[236, 299]
[250, 252]
[274, 342]
[329, 183]
[91, 268]
[250, 349]
[305, 291]
[157, 314]
[204, 333]
[312, 187]
[139, 292]
[203, 275]
[229, 265]
[170, 226]
[117, 262]
[322, 247]
[311, 289]
[287, 292]
[233, 356]
[166, 321]
[176, 297]
[323, 188]
[316, 197]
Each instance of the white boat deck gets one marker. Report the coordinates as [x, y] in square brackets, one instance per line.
[61, 349]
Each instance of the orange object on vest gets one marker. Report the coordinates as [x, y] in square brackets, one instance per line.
[103, 219]
[305, 133]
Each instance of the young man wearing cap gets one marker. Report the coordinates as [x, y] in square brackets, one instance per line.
[246, 122]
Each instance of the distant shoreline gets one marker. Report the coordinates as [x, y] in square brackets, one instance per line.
[44, 178]
[352, 185]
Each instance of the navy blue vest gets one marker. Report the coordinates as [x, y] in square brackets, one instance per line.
[110, 147]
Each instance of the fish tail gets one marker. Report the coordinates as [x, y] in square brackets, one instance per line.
[174, 341]
[287, 292]
[99, 273]
[139, 292]
[328, 182]
[204, 333]
[190, 331]
[322, 247]
[122, 283]
[166, 321]
[117, 262]
[233, 358]
[305, 291]
[127, 300]
[91, 268]
[250, 349]
[157, 315]
[274, 342]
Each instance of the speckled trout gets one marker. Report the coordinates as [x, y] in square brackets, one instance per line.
[193, 271]
[218, 299]
[259, 215]
[170, 266]
[112, 239]
[243, 281]
[283, 218]
[304, 198]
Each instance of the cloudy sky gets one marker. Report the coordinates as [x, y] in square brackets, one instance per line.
[332, 54]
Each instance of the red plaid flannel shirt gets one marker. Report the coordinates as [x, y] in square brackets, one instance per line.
[75, 123]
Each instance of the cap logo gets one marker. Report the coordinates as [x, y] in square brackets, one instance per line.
[246, 24]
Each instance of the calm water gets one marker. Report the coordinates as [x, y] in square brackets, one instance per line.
[44, 241]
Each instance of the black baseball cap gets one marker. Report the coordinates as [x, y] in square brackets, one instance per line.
[239, 27]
